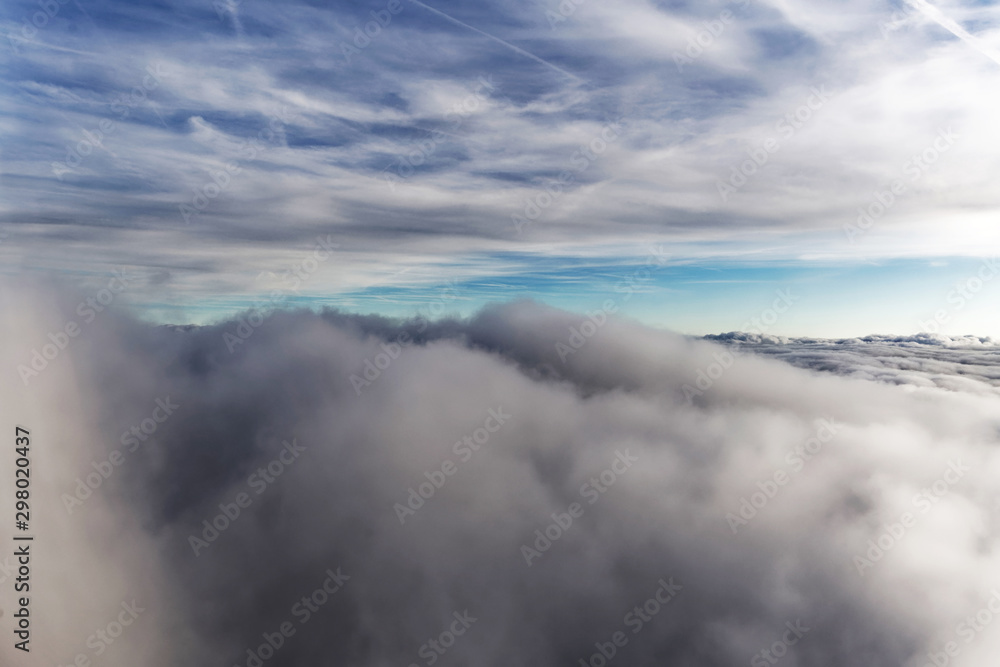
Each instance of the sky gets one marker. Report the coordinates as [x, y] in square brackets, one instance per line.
[685, 164]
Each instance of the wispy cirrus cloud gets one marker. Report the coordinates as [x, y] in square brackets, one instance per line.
[224, 71]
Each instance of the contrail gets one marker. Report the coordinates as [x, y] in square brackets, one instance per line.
[56, 48]
[954, 28]
[507, 44]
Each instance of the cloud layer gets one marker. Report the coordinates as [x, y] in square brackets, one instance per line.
[210, 142]
[960, 363]
[770, 495]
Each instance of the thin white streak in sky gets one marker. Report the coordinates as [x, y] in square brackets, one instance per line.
[497, 39]
[954, 28]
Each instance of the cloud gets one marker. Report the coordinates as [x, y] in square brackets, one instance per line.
[226, 68]
[959, 363]
[593, 442]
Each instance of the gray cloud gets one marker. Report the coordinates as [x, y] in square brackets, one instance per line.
[572, 414]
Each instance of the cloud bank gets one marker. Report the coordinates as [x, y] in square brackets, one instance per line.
[960, 363]
[524, 486]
